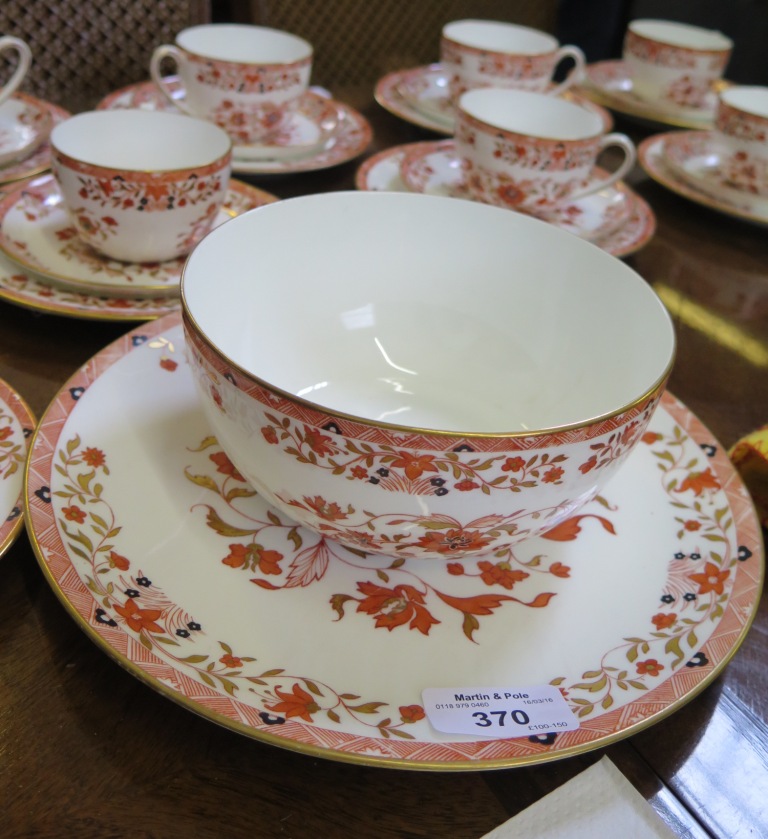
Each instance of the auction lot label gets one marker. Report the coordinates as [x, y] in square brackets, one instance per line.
[499, 712]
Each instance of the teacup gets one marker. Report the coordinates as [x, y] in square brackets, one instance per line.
[141, 186]
[741, 122]
[241, 77]
[675, 64]
[10, 44]
[487, 53]
[532, 152]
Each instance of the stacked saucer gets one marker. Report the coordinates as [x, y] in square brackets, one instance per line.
[25, 123]
[616, 218]
[690, 163]
[318, 132]
[37, 235]
[420, 95]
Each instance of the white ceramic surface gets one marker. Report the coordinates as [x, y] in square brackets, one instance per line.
[531, 151]
[197, 592]
[239, 76]
[586, 217]
[673, 62]
[354, 426]
[141, 186]
[488, 53]
[37, 232]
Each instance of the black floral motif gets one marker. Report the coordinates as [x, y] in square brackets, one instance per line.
[543, 739]
[699, 660]
[44, 494]
[102, 617]
[268, 719]
[744, 553]
[708, 449]
[76, 392]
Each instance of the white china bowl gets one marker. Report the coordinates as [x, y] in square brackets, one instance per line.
[418, 376]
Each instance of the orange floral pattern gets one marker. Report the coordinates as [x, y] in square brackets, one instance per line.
[699, 576]
[164, 628]
[398, 597]
[13, 451]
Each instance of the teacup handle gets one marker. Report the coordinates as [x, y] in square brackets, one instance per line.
[630, 155]
[576, 74]
[25, 59]
[175, 54]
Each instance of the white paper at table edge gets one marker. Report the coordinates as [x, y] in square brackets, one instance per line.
[599, 801]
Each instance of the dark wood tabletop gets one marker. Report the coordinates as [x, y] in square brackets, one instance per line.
[87, 750]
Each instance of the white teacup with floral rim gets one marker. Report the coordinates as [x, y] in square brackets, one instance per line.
[488, 53]
[9, 43]
[532, 152]
[141, 186]
[242, 77]
[741, 123]
[675, 64]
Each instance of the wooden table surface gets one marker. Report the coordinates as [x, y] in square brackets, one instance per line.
[86, 750]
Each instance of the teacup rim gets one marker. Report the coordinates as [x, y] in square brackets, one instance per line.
[530, 96]
[551, 40]
[725, 43]
[330, 412]
[209, 164]
[303, 59]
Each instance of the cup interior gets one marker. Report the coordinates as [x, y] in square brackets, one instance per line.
[496, 36]
[244, 44]
[142, 141]
[752, 100]
[531, 114]
[427, 313]
[681, 34]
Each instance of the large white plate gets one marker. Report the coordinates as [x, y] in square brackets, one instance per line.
[167, 559]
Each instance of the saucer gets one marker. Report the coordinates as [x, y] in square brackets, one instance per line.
[616, 218]
[307, 129]
[692, 179]
[608, 83]
[24, 125]
[32, 292]
[36, 232]
[40, 159]
[420, 96]
[697, 157]
[179, 571]
[16, 426]
[350, 136]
